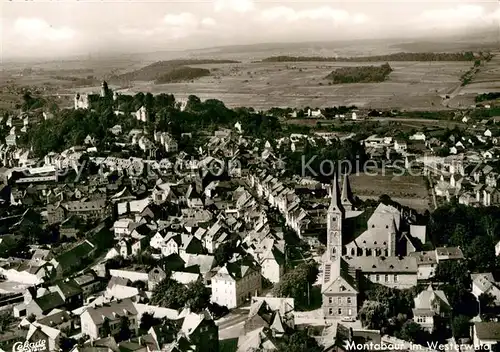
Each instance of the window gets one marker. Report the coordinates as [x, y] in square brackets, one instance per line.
[395, 277]
[340, 311]
[350, 312]
[377, 278]
[349, 301]
[330, 311]
[330, 300]
[353, 253]
[386, 278]
[339, 300]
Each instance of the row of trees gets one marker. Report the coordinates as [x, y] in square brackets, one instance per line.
[465, 56]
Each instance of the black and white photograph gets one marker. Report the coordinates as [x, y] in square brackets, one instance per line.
[249, 175]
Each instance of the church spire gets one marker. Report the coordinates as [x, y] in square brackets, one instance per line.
[335, 202]
[346, 193]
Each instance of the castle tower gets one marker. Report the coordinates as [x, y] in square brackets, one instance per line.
[335, 215]
[104, 89]
[346, 193]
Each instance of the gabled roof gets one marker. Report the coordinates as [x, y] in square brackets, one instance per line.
[426, 299]
[49, 301]
[337, 270]
[112, 311]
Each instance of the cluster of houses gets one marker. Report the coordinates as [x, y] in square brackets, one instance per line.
[222, 230]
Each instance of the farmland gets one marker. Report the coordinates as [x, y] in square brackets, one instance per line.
[411, 85]
[406, 190]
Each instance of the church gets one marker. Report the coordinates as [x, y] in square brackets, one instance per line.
[371, 255]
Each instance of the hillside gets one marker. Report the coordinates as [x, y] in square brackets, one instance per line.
[158, 69]
[360, 74]
[465, 56]
[182, 73]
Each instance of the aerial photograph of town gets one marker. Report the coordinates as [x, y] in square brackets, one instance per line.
[249, 175]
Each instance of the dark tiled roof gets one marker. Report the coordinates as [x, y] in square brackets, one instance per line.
[50, 301]
[69, 288]
[488, 330]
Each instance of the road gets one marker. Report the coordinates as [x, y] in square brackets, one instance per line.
[431, 185]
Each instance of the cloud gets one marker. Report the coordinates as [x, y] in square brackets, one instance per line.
[458, 17]
[208, 21]
[240, 6]
[38, 29]
[325, 13]
[184, 19]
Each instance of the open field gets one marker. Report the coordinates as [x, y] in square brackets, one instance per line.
[406, 190]
[411, 86]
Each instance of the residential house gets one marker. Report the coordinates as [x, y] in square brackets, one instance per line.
[485, 283]
[426, 264]
[485, 335]
[44, 336]
[236, 282]
[418, 136]
[430, 306]
[44, 304]
[141, 114]
[400, 146]
[92, 320]
[89, 283]
[71, 293]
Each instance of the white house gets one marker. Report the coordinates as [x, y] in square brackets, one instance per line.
[429, 304]
[419, 136]
[122, 228]
[485, 283]
[141, 114]
[400, 146]
[235, 283]
[487, 133]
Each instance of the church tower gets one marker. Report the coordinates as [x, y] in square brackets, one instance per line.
[335, 215]
[346, 194]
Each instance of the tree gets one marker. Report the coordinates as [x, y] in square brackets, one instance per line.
[373, 315]
[147, 321]
[412, 332]
[460, 325]
[106, 328]
[6, 320]
[297, 283]
[169, 293]
[197, 296]
[124, 333]
[299, 341]
[486, 303]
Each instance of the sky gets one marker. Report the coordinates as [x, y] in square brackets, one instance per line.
[53, 28]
